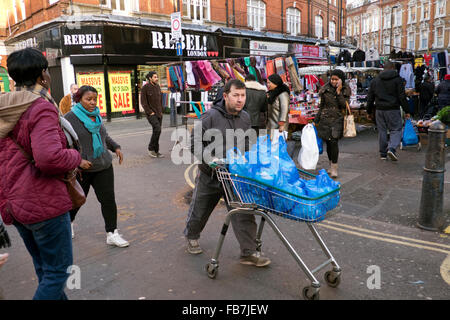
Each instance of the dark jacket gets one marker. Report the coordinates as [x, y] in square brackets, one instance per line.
[218, 118]
[387, 91]
[443, 92]
[256, 102]
[32, 193]
[151, 99]
[330, 119]
[426, 92]
[359, 56]
[87, 150]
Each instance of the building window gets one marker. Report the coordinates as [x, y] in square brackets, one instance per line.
[375, 25]
[356, 28]
[423, 39]
[440, 8]
[387, 20]
[439, 37]
[411, 41]
[319, 26]
[197, 10]
[398, 42]
[412, 11]
[425, 11]
[397, 17]
[121, 5]
[387, 44]
[293, 21]
[332, 35]
[349, 28]
[256, 14]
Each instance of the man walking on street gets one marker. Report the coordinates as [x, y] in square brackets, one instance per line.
[223, 116]
[256, 102]
[151, 99]
[387, 91]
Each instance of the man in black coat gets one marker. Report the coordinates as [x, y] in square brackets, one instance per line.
[426, 92]
[256, 102]
[387, 92]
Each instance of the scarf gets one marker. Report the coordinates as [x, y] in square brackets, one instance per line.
[91, 126]
[273, 94]
[71, 135]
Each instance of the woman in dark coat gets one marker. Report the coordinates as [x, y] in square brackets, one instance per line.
[330, 119]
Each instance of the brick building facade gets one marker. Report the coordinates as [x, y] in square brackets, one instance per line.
[417, 26]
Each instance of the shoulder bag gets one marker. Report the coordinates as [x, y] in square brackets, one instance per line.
[349, 123]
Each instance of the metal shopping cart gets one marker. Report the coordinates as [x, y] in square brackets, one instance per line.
[244, 195]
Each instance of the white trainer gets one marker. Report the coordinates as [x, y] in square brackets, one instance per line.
[71, 228]
[115, 239]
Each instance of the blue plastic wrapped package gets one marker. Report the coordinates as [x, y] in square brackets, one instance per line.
[409, 137]
[237, 164]
[287, 167]
[319, 141]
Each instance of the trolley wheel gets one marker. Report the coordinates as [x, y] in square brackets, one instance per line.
[332, 279]
[311, 293]
[212, 270]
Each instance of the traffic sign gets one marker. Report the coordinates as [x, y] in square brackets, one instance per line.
[179, 49]
[175, 25]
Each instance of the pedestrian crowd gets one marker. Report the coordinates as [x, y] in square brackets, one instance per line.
[41, 143]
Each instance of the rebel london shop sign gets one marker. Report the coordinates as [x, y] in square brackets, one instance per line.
[193, 45]
[86, 41]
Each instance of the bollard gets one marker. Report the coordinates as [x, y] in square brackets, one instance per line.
[173, 113]
[431, 215]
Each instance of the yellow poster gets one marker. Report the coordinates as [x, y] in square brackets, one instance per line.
[121, 91]
[96, 80]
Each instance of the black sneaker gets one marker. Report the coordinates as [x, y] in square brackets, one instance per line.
[383, 157]
[392, 155]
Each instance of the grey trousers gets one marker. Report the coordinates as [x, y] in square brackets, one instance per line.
[389, 120]
[207, 193]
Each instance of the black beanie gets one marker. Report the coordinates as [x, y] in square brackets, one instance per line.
[276, 79]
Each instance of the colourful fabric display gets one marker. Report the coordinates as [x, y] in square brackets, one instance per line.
[173, 77]
[213, 74]
[293, 75]
[190, 75]
[270, 67]
[280, 69]
[220, 70]
[169, 81]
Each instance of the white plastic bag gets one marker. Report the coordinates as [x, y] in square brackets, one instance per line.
[309, 153]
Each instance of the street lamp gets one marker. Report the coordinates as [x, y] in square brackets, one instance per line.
[392, 26]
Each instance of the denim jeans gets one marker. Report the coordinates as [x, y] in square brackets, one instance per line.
[50, 245]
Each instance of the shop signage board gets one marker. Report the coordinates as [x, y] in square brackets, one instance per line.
[86, 40]
[193, 45]
[264, 48]
[121, 91]
[96, 80]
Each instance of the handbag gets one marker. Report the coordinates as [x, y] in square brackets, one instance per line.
[349, 124]
[74, 188]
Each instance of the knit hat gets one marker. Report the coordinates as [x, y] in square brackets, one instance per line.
[447, 77]
[276, 79]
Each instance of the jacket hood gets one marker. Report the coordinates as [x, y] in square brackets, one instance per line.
[220, 106]
[255, 85]
[12, 106]
[388, 74]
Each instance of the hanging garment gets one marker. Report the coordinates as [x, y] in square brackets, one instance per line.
[235, 65]
[427, 58]
[253, 64]
[213, 74]
[406, 72]
[359, 56]
[169, 81]
[270, 67]
[190, 75]
[372, 55]
[173, 77]
[251, 69]
[261, 66]
[229, 70]
[222, 73]
[293, 75]
[311, 82]
[203, 79]
[280, 68]
[181, 77]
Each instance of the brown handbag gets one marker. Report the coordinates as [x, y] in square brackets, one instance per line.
[74, 188]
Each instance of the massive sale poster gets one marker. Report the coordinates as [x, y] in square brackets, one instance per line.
[121, 91]
[96, 80]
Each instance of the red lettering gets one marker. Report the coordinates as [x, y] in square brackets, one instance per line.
[128, 100]
[120, 100]
[115, 101]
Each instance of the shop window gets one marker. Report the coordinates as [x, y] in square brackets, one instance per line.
[439, 37]
[318, 27]
[440, 8]
[256, 14]
[412, 11]
[293, 21]
[197, 10]
[332, 35]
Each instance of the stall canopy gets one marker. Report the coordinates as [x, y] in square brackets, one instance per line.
[318, 70]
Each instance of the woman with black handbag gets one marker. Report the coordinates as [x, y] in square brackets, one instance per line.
[329, 121]
[95, 146]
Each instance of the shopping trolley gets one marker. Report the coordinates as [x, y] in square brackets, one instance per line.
[244, 195]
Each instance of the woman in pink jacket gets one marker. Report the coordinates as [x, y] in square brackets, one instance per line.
[33, 159]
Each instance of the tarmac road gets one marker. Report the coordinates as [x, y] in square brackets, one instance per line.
[372, 229]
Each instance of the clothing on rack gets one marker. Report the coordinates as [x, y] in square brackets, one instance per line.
[359, 56]
[372, 55]
[406, 72]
